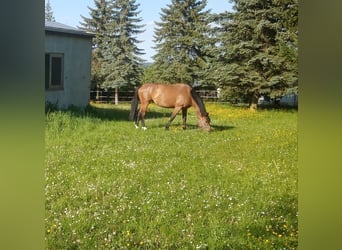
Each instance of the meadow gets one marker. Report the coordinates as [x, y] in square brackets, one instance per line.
[111, 186]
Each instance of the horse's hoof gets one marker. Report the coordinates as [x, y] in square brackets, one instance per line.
[136, 126]
[144, 128]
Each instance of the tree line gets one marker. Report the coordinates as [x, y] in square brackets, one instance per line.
[247, 52]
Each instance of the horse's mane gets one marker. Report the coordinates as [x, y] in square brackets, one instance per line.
[199, 102]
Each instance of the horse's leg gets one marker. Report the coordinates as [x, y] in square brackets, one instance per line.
[141, 115]
[137, 118]
[184, 114]
[173, 115]
[136, 124]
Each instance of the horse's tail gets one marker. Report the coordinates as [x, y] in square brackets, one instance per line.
[134, 106]
[199, 101]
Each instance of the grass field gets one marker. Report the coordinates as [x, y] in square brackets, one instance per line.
[111, 186]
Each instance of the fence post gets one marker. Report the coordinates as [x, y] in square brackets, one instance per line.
[97, 92]
[116, 96]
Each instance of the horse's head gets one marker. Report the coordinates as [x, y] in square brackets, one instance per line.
[204, 122]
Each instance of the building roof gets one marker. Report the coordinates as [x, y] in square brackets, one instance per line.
[62, 28]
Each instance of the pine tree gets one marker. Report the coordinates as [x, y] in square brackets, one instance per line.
[258, 49]
[96, 23]
[123, 65]
[49, 13]
[181, 38]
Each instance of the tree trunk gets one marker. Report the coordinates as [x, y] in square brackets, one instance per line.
[116, 96]
[254, 102]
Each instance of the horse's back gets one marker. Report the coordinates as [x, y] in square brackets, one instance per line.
[167, 95]
[176, 86]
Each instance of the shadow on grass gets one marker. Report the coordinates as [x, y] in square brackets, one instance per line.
[279, 107]
[119, 113]
[214, 128]
[106, 114]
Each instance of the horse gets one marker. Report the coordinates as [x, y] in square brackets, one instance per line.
[178, 96]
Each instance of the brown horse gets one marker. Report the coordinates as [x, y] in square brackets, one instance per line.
[178, 96]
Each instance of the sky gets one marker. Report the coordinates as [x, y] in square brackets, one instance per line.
[69, 12]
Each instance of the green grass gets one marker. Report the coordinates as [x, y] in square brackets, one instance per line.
[111, 186]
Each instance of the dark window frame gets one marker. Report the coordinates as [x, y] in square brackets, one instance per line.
[54, 71]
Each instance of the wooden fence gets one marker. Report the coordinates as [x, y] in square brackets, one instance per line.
[108, 96]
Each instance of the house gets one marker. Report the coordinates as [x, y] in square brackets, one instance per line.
[67, 65]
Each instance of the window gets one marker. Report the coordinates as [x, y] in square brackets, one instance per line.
[53, 71]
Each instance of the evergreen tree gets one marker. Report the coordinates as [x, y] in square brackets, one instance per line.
[181, 39]
[257, 49]
[49, 13]
[96, 23]
[123, 65]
